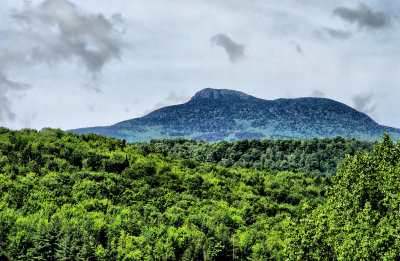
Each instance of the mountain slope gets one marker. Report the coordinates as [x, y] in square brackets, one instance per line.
[220, 114]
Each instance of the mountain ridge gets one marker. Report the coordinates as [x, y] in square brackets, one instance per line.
[223, 114]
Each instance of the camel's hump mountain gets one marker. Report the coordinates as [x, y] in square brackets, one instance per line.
[221, 114]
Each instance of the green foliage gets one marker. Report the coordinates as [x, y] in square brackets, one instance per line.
[361, 220]
[70, 197]
[320, 156]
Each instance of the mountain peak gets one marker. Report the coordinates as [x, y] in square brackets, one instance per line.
[221, 114]
[218, 94]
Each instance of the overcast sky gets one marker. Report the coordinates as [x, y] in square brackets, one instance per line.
[69, 64]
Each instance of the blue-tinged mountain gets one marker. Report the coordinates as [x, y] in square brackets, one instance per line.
[220, 114]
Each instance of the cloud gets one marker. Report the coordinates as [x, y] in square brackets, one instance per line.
[297, 46]
[7, 86]
[27, 120]
[51, 33]
[363, 102]
[318, 93]
[363, 16]
[338, 34]
[234, 50]
[60, 32]
[172, 99]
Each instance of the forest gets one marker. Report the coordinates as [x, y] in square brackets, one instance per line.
[65, 196]
[319, 156]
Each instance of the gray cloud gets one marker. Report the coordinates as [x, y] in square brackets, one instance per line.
[363, 16]
[172, 99]
[234, 50]
[90, 107]
[51, 33]
[318, 93]
[363, 102]
[61, 32]
[338, 34]
[297, 46]
[27, 120]
[7, 86]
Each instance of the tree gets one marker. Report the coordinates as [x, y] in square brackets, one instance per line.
[46, 240]
[361, 220]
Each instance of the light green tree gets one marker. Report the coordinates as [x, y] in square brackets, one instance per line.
[361, 220]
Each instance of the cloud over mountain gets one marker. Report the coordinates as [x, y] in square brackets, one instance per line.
[363, 102]
[232, 49]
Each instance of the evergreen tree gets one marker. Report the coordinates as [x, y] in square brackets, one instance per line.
[46, 240]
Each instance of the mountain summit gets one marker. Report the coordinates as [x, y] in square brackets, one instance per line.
[220, 94]
[221, 114]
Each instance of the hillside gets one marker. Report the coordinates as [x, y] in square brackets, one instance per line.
[70, 197]
[219, 114]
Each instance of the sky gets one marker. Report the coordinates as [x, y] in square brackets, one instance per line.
[69, 64]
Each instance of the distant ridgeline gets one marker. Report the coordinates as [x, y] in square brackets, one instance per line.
[220, 114]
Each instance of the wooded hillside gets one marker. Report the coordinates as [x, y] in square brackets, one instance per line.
[70, 197]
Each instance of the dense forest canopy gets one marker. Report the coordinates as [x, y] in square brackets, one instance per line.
[319, 156]
[70, 197]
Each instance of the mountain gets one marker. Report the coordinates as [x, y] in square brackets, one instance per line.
[221, 114]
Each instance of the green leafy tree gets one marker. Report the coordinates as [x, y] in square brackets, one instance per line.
[361, 220]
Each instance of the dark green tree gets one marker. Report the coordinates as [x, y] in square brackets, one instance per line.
[46, 240]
